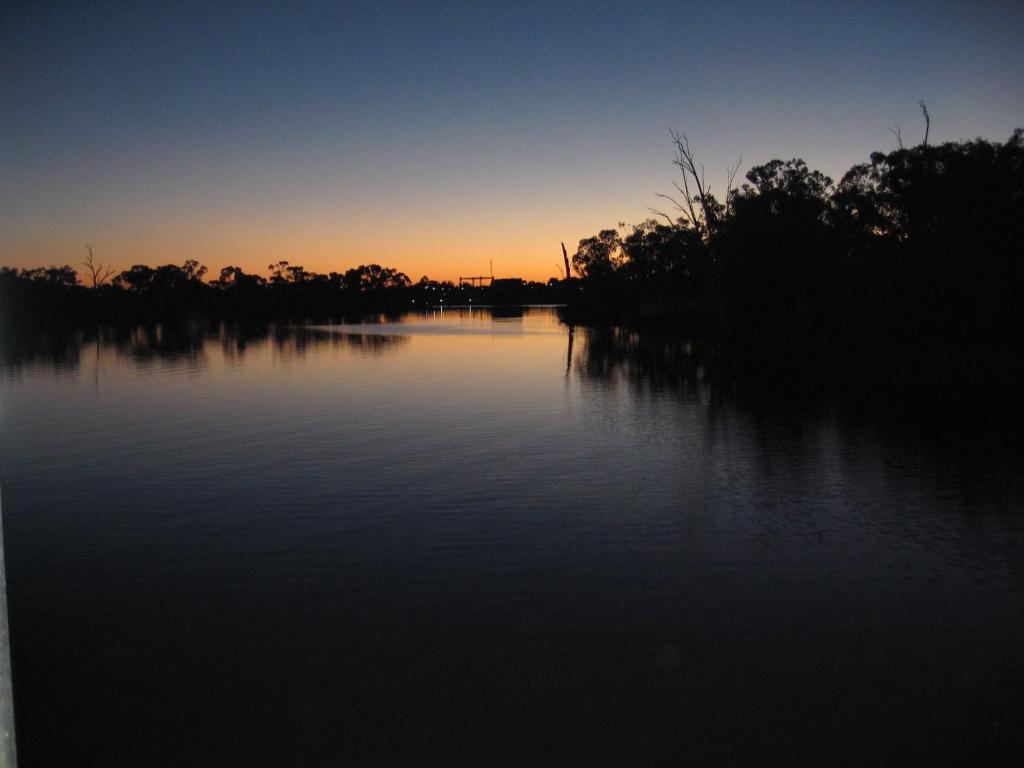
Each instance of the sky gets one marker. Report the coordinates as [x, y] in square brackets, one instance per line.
[440, 137]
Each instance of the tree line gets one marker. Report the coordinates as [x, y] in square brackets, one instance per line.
[914, 258]
[43, 297]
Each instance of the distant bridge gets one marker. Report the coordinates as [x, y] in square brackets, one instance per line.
[477, 281]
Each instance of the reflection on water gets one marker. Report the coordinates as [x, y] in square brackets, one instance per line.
[188, 341]
[181, 345]
[645, 362]
[490, 539]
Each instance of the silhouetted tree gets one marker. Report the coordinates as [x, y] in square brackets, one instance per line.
[669, 260]
[374, 277]
[51, 275]
[775, 248]
[284, 272]
[235, 278]
[943, 227]
[598, 257]
[138, 278]
[694, 199]
[98, 274]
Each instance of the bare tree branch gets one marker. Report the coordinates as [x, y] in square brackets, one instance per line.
[684, 160]
[927, 120]
[97, 272]
[686, 210]
[898, 133]
[730, 182]
[669, 219]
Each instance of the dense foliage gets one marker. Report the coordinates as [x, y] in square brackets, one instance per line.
[915, 258]
[926, 236]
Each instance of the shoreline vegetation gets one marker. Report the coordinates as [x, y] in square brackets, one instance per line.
[905, 276]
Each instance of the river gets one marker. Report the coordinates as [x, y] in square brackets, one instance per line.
[462, 538]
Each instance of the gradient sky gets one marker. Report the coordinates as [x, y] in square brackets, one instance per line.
[437, 137]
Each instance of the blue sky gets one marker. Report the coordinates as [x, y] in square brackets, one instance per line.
[436, 137]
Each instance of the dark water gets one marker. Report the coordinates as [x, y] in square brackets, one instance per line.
[478, 541]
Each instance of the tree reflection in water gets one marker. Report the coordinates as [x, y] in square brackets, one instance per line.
[184, 342]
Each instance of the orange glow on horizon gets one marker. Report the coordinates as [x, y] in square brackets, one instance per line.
[434, 263]
[443, 238]
[536, 256]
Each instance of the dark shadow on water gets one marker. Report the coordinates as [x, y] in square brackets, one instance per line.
[362, 343]
[969, 435]
[507, 313]
[58, 350]
[693, 360]
[176, 343]
[159, 342]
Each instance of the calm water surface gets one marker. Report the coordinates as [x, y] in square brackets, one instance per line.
[472, 540]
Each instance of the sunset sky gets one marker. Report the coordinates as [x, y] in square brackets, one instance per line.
[438, 137]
